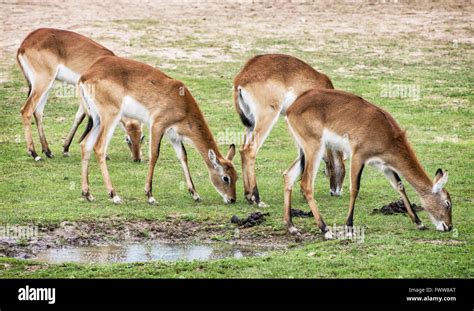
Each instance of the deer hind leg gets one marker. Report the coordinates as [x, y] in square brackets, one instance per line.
[34, 106]
[357, 166]
[397, 184]
[80, 115]
[290, 176]
[106, 131]
[87, 145]
[313, 155]
[183, 159]
[258, 120]
[253, 141]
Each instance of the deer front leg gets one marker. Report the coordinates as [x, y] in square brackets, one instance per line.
[183, 159]
[87, 145]
[156, 134]
[397, 184]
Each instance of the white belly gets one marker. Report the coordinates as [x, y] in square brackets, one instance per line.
[287, 101]
[378, 164]
[175, 137]
[131, 108]
[337, 142]
[67, 75]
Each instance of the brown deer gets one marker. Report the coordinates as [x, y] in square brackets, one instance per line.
[321, 118]
[114, 87]
[47, 55]
[263, 90]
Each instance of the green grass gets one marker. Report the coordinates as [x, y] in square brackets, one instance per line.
[439, 124]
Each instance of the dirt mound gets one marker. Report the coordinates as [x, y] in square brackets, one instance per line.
[300, 213]
[396, 207]
[252, 220]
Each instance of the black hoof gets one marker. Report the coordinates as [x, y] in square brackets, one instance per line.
[48, 153]
[34, 155]
[88, 196]
[253, 197]
[249, 200]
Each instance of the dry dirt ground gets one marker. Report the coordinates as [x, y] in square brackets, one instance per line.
[216, 21]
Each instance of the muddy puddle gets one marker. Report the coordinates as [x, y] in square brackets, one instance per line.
[145, 252]
[117, 240]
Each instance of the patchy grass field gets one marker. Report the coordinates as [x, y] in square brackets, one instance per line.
[374, 51]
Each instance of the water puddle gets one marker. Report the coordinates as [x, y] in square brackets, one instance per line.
[143, 252]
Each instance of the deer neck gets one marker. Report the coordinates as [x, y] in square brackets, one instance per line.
[410, 168]
[203, 140]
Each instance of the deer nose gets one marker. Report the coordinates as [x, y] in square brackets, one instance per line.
[232, 200]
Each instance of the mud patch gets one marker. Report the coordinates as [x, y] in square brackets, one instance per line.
[120, 232]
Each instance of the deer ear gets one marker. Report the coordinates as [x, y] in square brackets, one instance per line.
[212, 157]
[440, 180]
[231, 153]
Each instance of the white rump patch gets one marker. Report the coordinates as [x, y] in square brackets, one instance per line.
[31, 78]
[248, 106]
[27, 69]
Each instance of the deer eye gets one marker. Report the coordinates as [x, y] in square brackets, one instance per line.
[447, 203]
[142, 138]
[226, 179]
[127, 140]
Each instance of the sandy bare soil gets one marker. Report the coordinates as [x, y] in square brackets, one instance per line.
[211, 22]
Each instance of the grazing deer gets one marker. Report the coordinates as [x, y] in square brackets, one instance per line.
[321, 118]
[114, 87]
[47, 55]
[263, 90]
